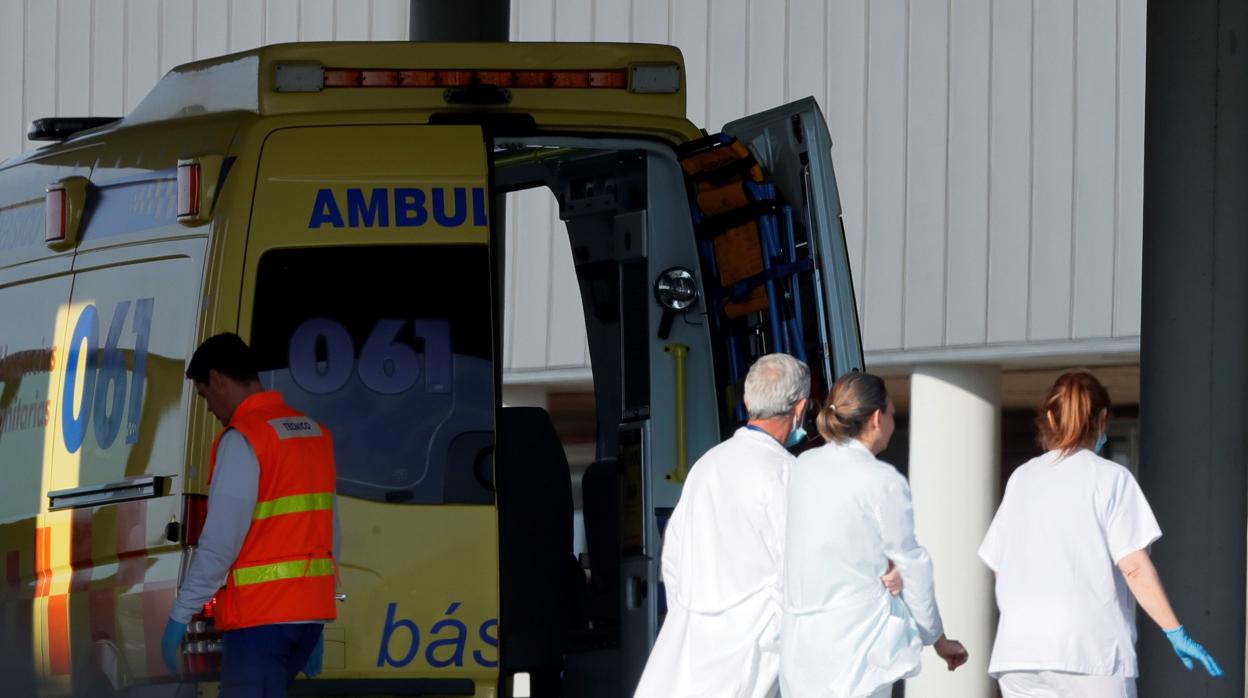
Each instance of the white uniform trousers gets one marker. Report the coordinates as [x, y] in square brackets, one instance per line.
[1056, 684]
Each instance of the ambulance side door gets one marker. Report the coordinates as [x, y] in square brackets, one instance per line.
[34, 300]
[120, 432]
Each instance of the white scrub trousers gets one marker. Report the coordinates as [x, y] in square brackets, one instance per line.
[886, 692]
[1055, 684]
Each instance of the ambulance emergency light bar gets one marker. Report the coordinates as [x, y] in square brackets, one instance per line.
[642, 78]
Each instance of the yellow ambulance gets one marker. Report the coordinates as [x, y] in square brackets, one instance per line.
[338, 205]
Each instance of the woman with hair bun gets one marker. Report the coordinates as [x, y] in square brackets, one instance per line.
[1069, 546]
[849, 516]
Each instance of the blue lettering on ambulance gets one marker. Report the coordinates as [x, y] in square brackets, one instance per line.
[409, 207]
[445, 649]
[74, 426]
[487, 638]
[457, 216]
[383, 657]
[478, 206]
[325, 210]
[375, 212]
[450, 207]
[106, 393]
[455, 643]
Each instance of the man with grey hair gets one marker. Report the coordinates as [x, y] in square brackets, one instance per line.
[723, 551]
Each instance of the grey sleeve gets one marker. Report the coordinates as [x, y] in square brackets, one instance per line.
[231, 505]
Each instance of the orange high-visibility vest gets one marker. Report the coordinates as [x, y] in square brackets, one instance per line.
[285, 571]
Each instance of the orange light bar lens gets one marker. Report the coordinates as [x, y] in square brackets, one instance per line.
[532, 78]
[498, 78]
[615, 79]
[188, 189]
[342, 77]
[455, 78]
[379, 78]
[569, 78]
[559, 79]
[418, 78]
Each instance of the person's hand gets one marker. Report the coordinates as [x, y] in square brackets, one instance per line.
[170, 643]
[1188, 649]
[952, 651]
[892, 579]
[316, 660]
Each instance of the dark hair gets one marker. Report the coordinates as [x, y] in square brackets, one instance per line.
[1071, 413]
[854, 398]
[227, 354]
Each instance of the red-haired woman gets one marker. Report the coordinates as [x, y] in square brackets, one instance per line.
[1069, 546]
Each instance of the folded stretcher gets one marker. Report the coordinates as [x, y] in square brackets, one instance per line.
[751, 266]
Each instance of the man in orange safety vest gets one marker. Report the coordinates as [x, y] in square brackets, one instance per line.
[271, 531]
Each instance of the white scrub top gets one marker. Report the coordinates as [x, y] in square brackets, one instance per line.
[843, 635]
[1063, 525]
[722, 555]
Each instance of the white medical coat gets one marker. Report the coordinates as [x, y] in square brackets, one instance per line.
[1063, 525]
[722, 556]
[843, 635]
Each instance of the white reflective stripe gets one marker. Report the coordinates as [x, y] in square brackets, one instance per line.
[294, 427]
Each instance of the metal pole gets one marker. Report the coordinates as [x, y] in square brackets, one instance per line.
[460, 20]
[1194, 343]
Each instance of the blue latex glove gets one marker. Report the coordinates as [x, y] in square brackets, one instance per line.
[316, 660]
[170, 643]
[1188, 649]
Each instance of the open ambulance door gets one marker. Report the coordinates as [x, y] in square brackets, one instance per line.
[774, 277]
[368, 296]
[792, 145]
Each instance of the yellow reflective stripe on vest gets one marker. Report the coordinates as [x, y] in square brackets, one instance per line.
[292, 569]
[294, 504]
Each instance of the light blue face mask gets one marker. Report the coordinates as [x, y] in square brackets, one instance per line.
[1101, 440]
[796, 435]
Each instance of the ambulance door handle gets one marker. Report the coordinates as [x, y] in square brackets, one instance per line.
[145, 487]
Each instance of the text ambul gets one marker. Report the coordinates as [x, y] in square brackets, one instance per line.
[400, 207]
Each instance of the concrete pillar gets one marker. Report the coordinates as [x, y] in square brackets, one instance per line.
[955, 426]
[1193, 374]
[460, 20]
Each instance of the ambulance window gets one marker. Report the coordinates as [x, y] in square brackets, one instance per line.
[390, 348]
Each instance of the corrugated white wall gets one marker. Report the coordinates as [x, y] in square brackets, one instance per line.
[989, 154]
[100, 57]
